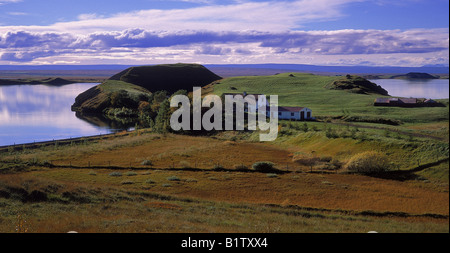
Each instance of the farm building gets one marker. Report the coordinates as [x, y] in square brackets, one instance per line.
[406, 102]
[395, 102]
[284, 112]
[293, 113]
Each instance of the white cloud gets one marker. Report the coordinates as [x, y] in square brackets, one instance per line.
[264, 16]
[243, 31]
[413, 47]
[17, 13]
[9, 1]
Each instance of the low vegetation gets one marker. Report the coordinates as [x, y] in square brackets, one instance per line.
[368, 162]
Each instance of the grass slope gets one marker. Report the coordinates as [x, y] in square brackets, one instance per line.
[308, 90]
[97, 98]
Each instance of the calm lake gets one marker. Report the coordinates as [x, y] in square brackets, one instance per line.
[31, 113]
[421, 88]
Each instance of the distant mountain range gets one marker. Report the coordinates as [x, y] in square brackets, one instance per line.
[431, 69]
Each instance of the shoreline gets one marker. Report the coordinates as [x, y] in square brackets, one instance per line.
[32, 145]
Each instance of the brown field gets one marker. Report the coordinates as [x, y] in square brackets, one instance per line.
[160, 193]
[182, 151]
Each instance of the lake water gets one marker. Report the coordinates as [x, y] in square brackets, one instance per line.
[31, 113]
[422, 88]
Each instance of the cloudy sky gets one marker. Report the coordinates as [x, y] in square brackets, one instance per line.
[320, 32]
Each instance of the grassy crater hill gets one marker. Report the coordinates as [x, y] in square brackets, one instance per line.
[169, 77]
[133, 85]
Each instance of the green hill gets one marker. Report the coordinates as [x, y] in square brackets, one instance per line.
[135, 84]
[169, 77]
[356, 84]
[110, 94]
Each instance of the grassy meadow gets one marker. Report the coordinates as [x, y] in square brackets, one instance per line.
[143, 181]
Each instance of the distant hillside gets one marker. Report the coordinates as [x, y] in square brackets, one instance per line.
[48, 81]
[169, 77]
[415, 75]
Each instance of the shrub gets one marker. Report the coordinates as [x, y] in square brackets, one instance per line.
[304, 127]
[127, 182]
[130, 173]
[173, 178]
[218, 167]
[309, 161]
[149, 181]
[368, 162]
[147, 162]
[264, 167]
[115, 174]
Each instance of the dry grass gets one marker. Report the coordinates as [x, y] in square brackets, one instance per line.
[112, 207]
[90, 200]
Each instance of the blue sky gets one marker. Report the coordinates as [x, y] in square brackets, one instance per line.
[323, 32]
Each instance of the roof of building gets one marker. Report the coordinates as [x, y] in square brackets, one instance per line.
[401, 100]
[289, 109]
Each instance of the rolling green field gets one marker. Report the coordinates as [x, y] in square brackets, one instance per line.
[308, 90]
[348, 123]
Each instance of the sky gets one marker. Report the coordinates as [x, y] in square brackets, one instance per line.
[408, 33]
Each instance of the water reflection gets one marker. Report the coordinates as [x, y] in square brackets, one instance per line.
[40, 112]
[102, 121]
[418, 88]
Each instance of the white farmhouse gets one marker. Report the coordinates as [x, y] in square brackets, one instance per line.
[284, 112]
[292, 113]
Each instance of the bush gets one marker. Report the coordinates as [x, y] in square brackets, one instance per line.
[147, 162]
[130, 173]
[264, 167]
[173, 178]
[149, 181]
[127, 182]
[115, 174]
[368, 162]
[218, 167]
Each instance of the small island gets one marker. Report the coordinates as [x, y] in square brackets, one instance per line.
[408, 76]
[47, 81]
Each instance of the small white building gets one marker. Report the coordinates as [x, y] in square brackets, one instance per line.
[293, 113]
[284, 112]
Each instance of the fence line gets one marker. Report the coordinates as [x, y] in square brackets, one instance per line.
[67, 141]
